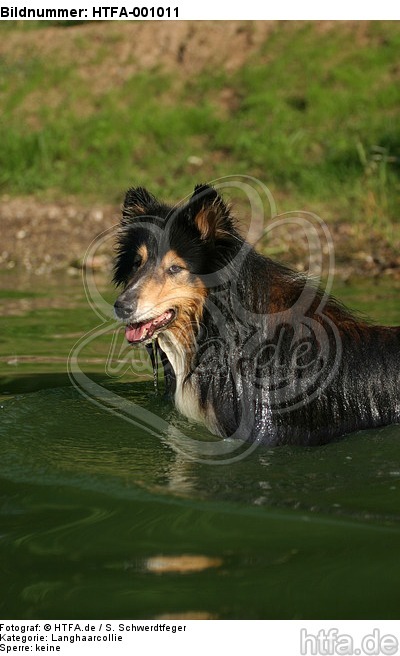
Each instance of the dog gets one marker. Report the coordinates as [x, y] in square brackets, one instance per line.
[249, 347]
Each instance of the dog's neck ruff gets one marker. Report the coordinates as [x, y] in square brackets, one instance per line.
[187, 398]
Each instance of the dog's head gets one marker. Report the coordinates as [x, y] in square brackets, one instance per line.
[163, 255]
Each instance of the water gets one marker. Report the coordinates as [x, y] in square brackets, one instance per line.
[100, 518]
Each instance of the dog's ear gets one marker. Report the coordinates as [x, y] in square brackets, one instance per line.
[209, 212]
[138, 202]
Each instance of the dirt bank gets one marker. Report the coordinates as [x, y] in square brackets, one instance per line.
[44, 236]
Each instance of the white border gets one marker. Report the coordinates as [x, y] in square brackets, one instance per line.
[207, 10]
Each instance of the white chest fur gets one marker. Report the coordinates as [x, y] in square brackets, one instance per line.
[186, 393]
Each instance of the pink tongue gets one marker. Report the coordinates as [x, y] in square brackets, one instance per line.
[139, 331]
[136, 333]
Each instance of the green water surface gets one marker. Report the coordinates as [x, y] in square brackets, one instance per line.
[91, 503]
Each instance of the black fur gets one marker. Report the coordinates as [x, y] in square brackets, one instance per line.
[274, 359]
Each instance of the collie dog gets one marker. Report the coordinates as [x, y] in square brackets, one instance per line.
[250, 348]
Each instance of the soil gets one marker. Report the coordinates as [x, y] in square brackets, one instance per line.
[43, 236]
[40, 235]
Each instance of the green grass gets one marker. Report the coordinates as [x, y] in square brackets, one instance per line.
[314, 115]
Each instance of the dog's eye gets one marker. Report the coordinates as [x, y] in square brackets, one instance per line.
[175, 268]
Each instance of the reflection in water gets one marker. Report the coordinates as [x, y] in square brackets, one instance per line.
[57, 437]
[183, 564]
[100, 519]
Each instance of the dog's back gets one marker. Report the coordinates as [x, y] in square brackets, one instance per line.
[297, 367]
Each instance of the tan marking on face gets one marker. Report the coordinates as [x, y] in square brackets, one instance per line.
[172, 258]
[185, 294]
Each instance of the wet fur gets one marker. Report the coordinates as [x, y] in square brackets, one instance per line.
[254, 352]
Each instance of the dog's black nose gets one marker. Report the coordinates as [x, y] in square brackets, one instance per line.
[122, 310]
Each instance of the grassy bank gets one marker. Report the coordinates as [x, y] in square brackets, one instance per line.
[313, 111]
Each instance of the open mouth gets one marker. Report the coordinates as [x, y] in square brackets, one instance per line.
[136, 333]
